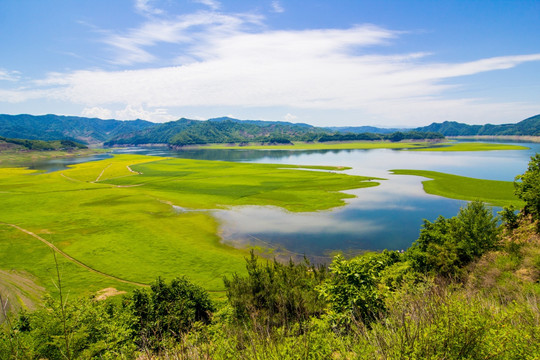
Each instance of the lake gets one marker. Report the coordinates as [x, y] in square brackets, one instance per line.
[388, 216]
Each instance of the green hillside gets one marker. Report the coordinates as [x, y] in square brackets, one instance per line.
[23, 144]
[527, 127]
[56, 127]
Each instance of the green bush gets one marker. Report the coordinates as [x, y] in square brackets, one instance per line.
[275, 294]
[527, 188]
[168, 311]
[445, 246]
[352, 290]
[93, 329]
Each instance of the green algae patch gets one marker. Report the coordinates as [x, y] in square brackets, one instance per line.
[113, 222]
[493, 192]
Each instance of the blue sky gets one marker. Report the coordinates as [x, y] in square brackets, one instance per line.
[326, 63]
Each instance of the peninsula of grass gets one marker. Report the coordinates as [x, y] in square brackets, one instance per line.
[497, 193]
[114, 218]
[366, 145]
[472, 146]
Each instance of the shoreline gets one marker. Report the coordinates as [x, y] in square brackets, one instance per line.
[535, 139]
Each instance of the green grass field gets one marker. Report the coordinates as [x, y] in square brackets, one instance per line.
[365, 145]
[498, 193]
[473, 146]
[115, 216]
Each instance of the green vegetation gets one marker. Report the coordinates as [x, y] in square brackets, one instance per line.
[231, 131]
[105, 216]
[528, 188]
[39, 145]
[474, 146]
[498, 193]
[466, 289]
[14, 155]
[446, 246]
[387, 305]
[227, 130]
[527, 127]
[56, 127]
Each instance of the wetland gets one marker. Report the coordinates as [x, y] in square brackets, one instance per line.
[138, 213]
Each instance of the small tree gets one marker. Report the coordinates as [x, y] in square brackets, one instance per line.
[527, 188]
[274, 294]
[351, 291]
[169, 310]
[446, 245]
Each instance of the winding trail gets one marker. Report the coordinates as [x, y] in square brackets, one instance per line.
[72, 259]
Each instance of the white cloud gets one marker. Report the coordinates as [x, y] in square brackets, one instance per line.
[131, 112]
[135, 45]
[144, 7]
[276, 7]
[212, 4]
[7, 75]
[97, 112]
[233, 60]
[290, 117]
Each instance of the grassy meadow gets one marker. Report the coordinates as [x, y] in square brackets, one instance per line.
[498, 193]
[116, 216]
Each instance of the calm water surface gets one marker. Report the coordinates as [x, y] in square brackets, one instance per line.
[388, 216]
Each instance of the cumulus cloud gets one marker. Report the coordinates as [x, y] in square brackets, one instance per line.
[132, 112]
[290, 117]
[97, 112]
[250, 76]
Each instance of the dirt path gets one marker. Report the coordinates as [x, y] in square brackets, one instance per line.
[102, 171]
[135, 172]
[70, 178]
[70, 258]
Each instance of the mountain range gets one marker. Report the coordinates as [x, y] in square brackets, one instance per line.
[527, 127]
[184, 131]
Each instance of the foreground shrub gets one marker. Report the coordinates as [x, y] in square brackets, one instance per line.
[445, 322]
[275, 294]
[352, 290]
[445, 246]
[80, 329]
[166, 311]
[527, 188]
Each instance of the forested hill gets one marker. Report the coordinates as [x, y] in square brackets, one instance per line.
[181, 132]
[24, 144]
[527, 127]
[220, 130]
[226, 130]
[56, 127]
